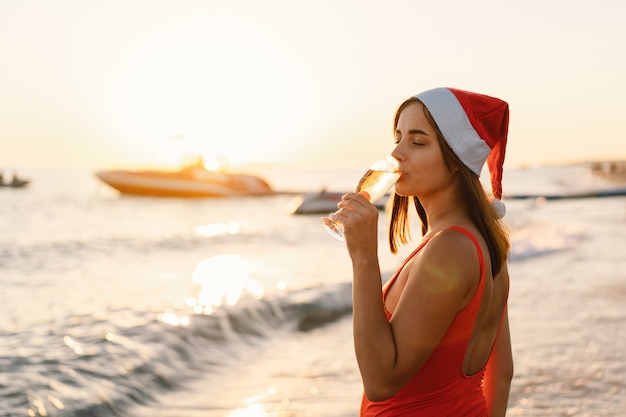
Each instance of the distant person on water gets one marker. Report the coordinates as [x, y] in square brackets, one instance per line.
[434, 340]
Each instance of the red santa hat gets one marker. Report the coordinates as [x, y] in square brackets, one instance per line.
[476, 127]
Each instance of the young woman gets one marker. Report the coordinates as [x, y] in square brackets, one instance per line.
[435, 340]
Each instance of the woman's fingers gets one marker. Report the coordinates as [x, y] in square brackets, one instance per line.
[355, 210]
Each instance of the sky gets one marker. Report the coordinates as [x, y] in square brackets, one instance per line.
[128, 83]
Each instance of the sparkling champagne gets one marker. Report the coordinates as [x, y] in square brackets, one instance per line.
[379, 179]
[376, 183]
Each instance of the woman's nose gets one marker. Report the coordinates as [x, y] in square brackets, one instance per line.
[397, 152]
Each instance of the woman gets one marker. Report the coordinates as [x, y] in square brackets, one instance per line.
[435, 340]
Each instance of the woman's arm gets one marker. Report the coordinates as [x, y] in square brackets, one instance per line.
[389, 353]
[373, 338]
[499, 372]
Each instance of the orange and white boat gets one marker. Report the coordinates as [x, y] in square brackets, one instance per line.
[191, 181]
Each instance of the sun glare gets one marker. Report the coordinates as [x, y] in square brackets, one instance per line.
[212, 164]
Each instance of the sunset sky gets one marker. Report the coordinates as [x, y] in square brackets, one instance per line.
[116, 83]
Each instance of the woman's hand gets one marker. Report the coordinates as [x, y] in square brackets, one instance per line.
[359, 218]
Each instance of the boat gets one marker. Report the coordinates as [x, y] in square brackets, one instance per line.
[191, 181]
[14, 183]
[322, 202]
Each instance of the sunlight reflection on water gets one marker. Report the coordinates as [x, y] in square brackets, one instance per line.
[218, 229]
[223, 279]
[254, 407]
[253, 410]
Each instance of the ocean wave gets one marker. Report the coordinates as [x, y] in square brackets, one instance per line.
[90, 366]
[537, 240]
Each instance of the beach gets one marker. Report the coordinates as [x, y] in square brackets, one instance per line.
[113, 305]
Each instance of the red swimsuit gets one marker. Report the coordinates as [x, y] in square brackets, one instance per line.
[440, 387]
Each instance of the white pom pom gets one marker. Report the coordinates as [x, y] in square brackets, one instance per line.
[499, 207]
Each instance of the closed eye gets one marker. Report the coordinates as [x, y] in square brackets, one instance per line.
[412, 132]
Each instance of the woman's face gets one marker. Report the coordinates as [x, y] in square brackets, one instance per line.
[422, 165]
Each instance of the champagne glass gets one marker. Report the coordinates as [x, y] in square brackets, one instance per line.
[378, 179]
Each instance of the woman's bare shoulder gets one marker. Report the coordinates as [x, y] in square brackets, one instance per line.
[448, 260]
[449, 246]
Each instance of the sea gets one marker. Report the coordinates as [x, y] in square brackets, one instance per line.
[115, 305]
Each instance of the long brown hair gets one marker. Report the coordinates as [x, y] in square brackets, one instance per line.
[480, 209]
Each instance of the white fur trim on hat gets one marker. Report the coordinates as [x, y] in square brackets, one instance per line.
[453, 122]
[499, 207]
